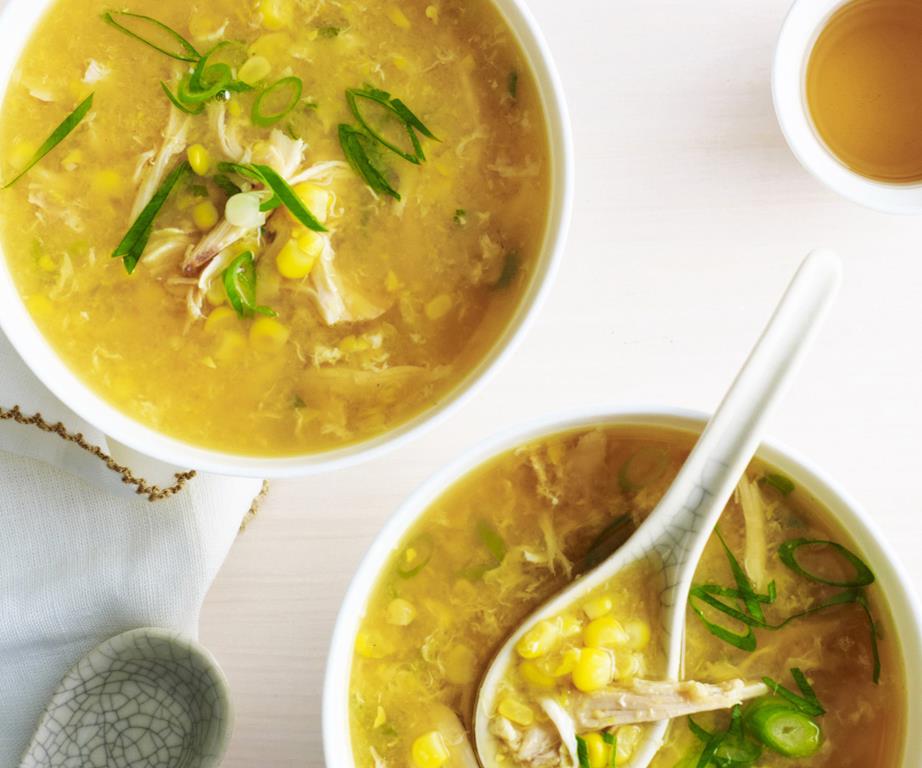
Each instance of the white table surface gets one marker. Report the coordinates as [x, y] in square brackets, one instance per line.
[691, 215]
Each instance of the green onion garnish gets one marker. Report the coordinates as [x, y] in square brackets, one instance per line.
[607, 541]
[223, 183]
[863, 577]
[784, 729]
[807, 703]
[512, 84]
[784, 485]
[410, 122]
[415, 556]
[240, 286]
[328, 32]
[133, 244]
[612, 740]
[494, 544]
[283, 194]
[353, 142]
[644, 467]
[184, 50]
[57, 136]
[196, 110]
[264, 119]
[511, 264]
[582, 752]
[728, 748]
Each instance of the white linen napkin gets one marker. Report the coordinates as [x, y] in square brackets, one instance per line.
[82, 556]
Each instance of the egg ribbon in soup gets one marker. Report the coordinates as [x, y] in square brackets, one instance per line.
[322, 214]
[790, 656]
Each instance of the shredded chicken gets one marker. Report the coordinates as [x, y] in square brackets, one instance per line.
[536, 747]
[646, 701]
[227, 135]
[224, 235]
[756, 553]
[456, 737]
[565, 727]
[164, 248]
[174, 143]
[336, 301]
[95, 72]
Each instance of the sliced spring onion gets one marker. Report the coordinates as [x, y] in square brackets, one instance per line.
[612, 740]
[265, 119]
[511, 266]
[415, 556]
[807, 703]
[328, 32]
[784, 485]
[784, 729]
[185, 51]
[460, 217]
[281, 190]
[728, 748]
[863, 577]
[410, 122]
[491, 539]
[174, 99]
[353, 142]
[240, 286]
[745, 642]
[644, 467]
[223, 183]
[57, 136]
[744, 585]
[582, 752]
[607, 541]
[133, 244]
[512, 84]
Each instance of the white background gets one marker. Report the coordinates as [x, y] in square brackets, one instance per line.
[691, 215]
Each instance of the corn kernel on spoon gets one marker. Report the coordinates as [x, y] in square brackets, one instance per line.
[672, 538]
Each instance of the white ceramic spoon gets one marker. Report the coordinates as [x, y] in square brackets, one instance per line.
[674, 534]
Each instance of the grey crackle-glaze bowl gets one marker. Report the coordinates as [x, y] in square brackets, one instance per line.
[148, 698]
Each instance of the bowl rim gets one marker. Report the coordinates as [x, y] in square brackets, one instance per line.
[801, 26]
[17, 21]
[899, 595]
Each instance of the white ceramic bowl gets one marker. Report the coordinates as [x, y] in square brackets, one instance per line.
[17, 20]
[892, 580]
[804, 22]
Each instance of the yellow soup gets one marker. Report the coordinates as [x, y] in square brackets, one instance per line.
[516, 530]
[257, 322]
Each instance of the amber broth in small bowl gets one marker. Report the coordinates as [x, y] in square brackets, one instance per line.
[847, 87]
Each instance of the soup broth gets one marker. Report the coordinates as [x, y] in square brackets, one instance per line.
[352, 327]
[864, 88]
[516, 530]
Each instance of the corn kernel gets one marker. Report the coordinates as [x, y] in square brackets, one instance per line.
[354, 344]
[380, 717]
[108, 182]
[72, 159]
[516, 711]
[233, 108]
[220, 318]
[429, 750]
[254, 69]
[268, 334]
[566, 663]
[629, 665]
[533, 674]
[594, 669]
[391, 282]
[231, 346]
[400, 612]
[432, 13]
[605, 632]
[400, 62]
[372, 645]
[199, 159]
[597, 607]
[638, 632]
[438, 307]
[205, 215]
[597, 750]
[216, 295]
[39, 306]
[538, 641]
[276, 14]
[22, 152]
[311, 242]
[316, 199]
[460, 665]
[570, 625]
[398, 17]
[46, 263]
[294, 262]
[273, 45]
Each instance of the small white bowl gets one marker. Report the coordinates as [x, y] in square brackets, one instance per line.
[891, 579]
[18, 19]
[803, 24]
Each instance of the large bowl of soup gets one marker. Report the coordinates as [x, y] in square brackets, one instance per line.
[274, 237]
[479, 546]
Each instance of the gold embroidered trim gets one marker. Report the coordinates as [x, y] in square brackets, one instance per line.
[142, 487]
[254, 507]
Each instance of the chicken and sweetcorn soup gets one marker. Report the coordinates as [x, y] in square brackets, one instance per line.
[277, 226]
[790, 659]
